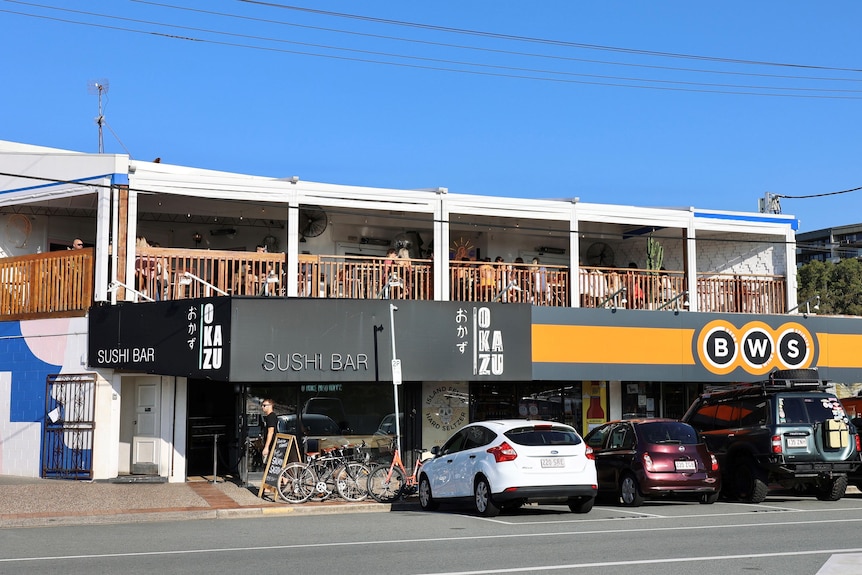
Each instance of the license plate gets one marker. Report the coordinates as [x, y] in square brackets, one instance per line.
[553, 462]
[797, 442]
[685, 465]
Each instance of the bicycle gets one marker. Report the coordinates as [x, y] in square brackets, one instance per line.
[387, 483]
[339, 470]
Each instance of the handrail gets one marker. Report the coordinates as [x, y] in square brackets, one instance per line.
[61, 283]
[52, 284]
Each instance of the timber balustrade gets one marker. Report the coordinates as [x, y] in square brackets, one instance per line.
[46, 285]
[61, 283]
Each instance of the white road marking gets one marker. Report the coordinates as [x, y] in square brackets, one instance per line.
[844, 564]
[578, 534]
[834, 552]
[582, 519]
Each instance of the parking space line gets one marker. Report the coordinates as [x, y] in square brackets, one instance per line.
[638, 516]
[640, 562]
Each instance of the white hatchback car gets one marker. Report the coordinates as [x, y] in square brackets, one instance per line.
[507, 463]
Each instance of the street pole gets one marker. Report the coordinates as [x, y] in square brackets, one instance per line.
[396, 378]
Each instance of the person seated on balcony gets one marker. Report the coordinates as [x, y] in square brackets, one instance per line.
[161, 275]
[521, 275]
[404, 271]
[266, 271]
[615, 284]
[667, 291]
[539, 280]
[391, 279]
[463, 274]
[506, 280]
[593, 286]
[77, 244]
[634, 291]
[145, 269]
[486, 280]
[244, 280]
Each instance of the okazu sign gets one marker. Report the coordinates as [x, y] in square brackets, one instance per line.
[184, 337]
[309, 340]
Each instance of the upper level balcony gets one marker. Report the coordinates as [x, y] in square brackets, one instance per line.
[330, 241]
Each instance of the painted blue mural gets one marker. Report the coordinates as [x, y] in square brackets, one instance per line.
[28, 373]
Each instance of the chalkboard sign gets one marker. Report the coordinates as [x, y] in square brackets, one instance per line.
[284, 451]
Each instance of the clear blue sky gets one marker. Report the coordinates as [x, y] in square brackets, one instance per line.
[595, 106]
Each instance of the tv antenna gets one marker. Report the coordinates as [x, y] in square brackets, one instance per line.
[99, 87]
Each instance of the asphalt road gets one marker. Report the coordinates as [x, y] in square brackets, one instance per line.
[784, 535]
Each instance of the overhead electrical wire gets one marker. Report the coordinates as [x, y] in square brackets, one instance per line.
[545, 40]
[520, 72]
[818, 195]
[457, 62]
[493, 50]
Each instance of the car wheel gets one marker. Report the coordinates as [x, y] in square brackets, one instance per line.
[485, 505]
[709, 498]
[630, 493]
[581, 504]
[749, 485]
[832, 489]
[426, 502]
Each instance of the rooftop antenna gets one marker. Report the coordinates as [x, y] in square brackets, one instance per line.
[769, 204]
[99, 87]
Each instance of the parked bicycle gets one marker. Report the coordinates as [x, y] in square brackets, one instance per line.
[387, 483]
[340, 470]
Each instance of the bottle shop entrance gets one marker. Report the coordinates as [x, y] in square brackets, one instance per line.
[553, 401]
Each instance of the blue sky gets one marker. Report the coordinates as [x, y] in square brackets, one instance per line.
[399, 94]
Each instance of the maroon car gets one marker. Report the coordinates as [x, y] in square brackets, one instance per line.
[640, 458]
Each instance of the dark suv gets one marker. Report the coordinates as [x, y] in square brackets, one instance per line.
[787, 430]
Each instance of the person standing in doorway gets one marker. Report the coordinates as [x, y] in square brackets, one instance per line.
[270, 420]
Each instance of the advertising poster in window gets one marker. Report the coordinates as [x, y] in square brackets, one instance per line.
[595, 400]
[445, 409]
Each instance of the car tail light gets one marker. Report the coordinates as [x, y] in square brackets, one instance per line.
[776, 444]
[503, 452]
[648, 462]
[858, 444]
[714, 462]
[590, 455]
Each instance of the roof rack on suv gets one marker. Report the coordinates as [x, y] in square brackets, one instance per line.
[779, 380]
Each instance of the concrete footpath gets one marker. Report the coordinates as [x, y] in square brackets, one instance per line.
[29, 502]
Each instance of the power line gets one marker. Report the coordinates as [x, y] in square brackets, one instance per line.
[452, 62]
[547, 41]
[492, 50]
[818, 195]
[702, 87]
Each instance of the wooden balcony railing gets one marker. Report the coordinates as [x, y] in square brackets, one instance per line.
[61, 283]
[741, 293]
[46, 285]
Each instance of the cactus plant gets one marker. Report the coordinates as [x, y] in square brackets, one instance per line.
[655, 253]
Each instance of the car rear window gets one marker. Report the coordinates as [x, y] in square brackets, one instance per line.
[531, 436]
[808, 409]
[668, 432]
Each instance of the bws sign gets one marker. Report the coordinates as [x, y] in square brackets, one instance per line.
[756, 347]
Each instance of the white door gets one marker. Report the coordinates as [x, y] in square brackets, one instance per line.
[145, 442]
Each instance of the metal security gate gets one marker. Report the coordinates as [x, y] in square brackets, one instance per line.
[67, 446]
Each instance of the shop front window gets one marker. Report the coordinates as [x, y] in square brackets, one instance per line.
[533, 400]
[654, 399]
[324, 415]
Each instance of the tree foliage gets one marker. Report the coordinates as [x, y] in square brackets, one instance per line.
[838, 285]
